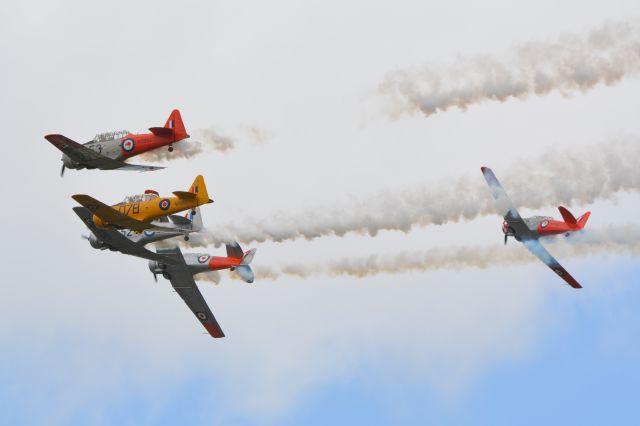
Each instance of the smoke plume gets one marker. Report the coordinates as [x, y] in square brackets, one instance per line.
[558, 178]
[216, 140]
[209, 276]
[613, 240]
[181, 150]
[204, 140]
[569, 64]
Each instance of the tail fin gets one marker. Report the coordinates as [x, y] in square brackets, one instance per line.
[582, 220]
[244, 270]
[248, 257]
[175, 122]
[199, 188]
[196, 219]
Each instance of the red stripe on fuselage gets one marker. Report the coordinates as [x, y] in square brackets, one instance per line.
[146, 142]
[216, 263]
[556, 227]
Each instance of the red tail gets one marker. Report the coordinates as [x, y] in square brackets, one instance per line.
[582, 220]
[175, 122]
[570, 220]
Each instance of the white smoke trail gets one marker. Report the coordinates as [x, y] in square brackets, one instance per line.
[181, 150]
[206, 139]
[569, 64]
[216, 139]
[208, 276]
[614, 240]
[595, 172]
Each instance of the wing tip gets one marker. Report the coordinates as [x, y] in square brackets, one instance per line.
[214, 331]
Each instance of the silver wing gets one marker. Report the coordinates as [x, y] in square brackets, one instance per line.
[541, 253]
[118, 241]
[520, 228]
[506, 208]
[91, 159]
[184, 284]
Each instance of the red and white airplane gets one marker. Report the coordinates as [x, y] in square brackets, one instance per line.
[529, 230]
[107, 151]
[180, 268]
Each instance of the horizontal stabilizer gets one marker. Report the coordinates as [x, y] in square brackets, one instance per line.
[234, 250]
[246, 273]
[185, 195]
[179, 220]
[567, 216]
[161, 131]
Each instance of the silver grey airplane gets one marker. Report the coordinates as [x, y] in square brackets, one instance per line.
[132, 243]
[183, 267]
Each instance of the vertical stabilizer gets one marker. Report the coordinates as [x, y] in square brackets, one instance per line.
[199, 188]
[175, 123]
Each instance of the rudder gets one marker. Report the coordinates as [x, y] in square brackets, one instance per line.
[199, 188]
[175, 122]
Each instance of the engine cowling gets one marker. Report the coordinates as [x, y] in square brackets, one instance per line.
[157, 267]
[69, 163]
[97, 243]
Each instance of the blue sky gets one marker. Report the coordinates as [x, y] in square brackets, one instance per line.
[88, 338]
[581, 371]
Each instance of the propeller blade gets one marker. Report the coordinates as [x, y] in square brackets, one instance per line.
[155, 277]
[62, 170]
[84, 237]
[505, 239]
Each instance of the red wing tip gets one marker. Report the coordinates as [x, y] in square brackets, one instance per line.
[213, 331]
[51, 137]
[484, 168]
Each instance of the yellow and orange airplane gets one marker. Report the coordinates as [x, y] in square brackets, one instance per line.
[146, 211]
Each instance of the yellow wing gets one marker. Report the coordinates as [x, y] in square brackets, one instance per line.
[110, 215]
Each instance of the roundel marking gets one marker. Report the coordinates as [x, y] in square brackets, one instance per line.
[164, 204]
[544, 223]
[149, 233]
[128, 144]
[203, 258]
[201, 315]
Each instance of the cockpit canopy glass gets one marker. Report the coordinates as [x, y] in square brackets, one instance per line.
[139, 198]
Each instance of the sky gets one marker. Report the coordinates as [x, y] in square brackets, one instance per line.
[354, 133]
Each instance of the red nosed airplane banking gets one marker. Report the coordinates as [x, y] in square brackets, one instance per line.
[107, 151]
[529, 230]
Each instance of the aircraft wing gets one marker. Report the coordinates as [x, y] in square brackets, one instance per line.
[538, 249]
[111, 215]
[118, 241]
[89, 158]
[505, 206]
[184, 284]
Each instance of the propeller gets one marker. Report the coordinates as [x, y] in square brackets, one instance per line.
[85, 237]
[62, 170]
[506, 237]
[155, 276]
